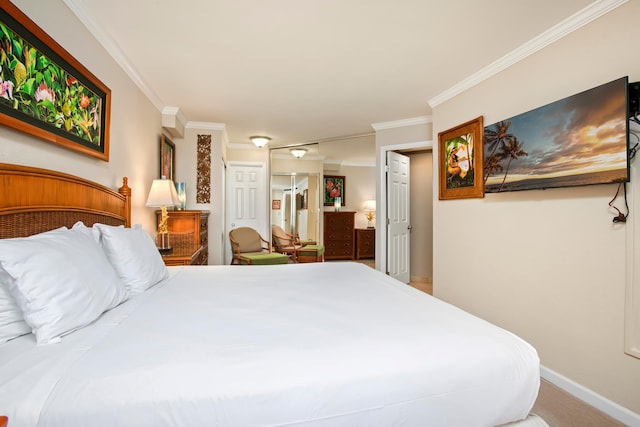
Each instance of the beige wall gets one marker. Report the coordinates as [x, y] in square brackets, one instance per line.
[360, 186]
[135, 122]
[547, 265]
[186, 171]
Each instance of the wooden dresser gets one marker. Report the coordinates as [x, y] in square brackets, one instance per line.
[189, 237]
[365, 243]
[339, 235]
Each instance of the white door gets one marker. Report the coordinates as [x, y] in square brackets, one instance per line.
[398, 225]
[246, 200]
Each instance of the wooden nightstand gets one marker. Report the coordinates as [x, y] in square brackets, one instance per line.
[189, 237]
[194, 255]
[365, 243]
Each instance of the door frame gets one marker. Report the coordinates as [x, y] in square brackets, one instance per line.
[261, 208]
[381, 220]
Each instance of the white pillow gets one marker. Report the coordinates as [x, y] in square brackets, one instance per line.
[61, 280]
[91, 231]
[134, 256]
[12, 323]
[79, 226]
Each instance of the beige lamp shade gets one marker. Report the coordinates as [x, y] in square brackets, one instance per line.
[163, 193]
[369, 206]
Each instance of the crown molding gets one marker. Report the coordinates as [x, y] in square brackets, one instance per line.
[175, 111]
[569, 25]
[244, 146]
[359, 164]
[206, 126]
[173, 121]
[114, 50]
[402, 123]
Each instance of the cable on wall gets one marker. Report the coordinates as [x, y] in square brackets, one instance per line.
[622, 217]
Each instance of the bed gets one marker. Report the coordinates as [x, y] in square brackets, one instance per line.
[320, 344]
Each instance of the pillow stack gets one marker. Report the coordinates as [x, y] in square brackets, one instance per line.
[56, 282]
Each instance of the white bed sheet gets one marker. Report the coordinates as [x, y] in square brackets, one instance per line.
[321, 344]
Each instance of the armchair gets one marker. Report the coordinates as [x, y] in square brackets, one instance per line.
[291, 245]
[249, 248]
[285, 243]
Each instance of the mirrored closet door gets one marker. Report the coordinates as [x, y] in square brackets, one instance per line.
[295, 190]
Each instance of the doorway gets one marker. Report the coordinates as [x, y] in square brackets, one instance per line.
[421, 214]
[245, 183]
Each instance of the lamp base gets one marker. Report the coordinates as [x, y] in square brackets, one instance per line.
[163, 243]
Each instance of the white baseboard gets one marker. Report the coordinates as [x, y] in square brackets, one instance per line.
[605, 405]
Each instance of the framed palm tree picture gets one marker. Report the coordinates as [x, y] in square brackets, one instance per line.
[460, 161]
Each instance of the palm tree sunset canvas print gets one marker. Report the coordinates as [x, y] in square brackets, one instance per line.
[579, 140]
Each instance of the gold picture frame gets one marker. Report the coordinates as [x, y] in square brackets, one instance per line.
[460, 161]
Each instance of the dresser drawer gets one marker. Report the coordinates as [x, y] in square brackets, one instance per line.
[341, 248]
[339, 235]
[365, 243]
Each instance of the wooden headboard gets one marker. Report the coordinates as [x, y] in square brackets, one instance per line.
[34, 200]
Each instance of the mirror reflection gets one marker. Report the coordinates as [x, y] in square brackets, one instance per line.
[295, 195]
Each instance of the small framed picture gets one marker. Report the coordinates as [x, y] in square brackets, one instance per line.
[275, 205]
[460, 161]
[334, 187]
[167, 158]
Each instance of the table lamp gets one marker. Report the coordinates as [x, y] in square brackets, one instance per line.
[370, 209]
[162, 194]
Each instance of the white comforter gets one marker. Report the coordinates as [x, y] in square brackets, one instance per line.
[330, 344]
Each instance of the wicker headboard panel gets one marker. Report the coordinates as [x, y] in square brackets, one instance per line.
[34, 200]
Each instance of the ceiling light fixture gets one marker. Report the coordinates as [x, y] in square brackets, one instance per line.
[260, 141]
[298, 152]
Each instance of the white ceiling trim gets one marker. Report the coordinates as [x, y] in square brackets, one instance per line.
[114, 50]
[175, 111]
[402, 123]
[243, 146]
[569, 25]
[206, 126]
[359, 164]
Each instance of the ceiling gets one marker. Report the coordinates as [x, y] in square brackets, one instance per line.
[300, 70]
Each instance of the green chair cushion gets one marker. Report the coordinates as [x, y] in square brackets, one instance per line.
[264, 259]
[311, 250]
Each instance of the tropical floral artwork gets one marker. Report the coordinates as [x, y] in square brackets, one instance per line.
[333, 187]
[460, 157]
[39, 88]
[578, 140]
[167, 158]
[460, 162]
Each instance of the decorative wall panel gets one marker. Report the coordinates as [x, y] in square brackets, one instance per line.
[203, 185]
